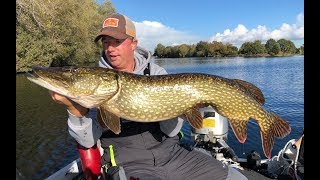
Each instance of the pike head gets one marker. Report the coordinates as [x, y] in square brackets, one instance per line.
[88, 86]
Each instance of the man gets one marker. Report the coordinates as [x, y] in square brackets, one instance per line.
[141, 150]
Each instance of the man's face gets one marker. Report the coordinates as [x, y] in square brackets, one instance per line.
[119, 51]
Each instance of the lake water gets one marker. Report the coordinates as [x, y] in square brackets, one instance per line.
[43, 144]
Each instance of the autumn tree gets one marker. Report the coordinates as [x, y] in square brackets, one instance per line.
[58, 33]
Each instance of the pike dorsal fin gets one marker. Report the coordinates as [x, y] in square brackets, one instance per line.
[194, 117]
[252, 89]
[108, 119]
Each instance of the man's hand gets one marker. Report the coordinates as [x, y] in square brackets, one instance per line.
[73, 107]
[60, 99]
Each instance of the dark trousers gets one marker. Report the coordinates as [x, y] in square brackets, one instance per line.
[146, 153]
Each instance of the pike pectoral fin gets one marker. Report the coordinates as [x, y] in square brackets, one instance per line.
[194, 117]
[109, 120]
[239, 128]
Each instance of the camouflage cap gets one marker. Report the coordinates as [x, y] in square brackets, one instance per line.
[117, 26]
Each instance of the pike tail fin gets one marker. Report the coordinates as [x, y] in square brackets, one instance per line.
[277, 127]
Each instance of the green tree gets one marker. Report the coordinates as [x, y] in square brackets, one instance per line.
[272, 47]
[192, 50]
[230, 50]
[174, 51]
[218, 49]
[159, 51]
[183, 50]
[202, 49]
[252, 48]
[287, 47]
[167, 51]
[259, 48]
[301, 49]
[58, 32]
[215, 49]
[246, 48]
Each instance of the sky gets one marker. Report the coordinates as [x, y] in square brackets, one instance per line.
[174, 22]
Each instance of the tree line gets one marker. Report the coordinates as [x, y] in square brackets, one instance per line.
[61, 33]
[282, 47]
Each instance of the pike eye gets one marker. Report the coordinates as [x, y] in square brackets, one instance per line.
[67, 74]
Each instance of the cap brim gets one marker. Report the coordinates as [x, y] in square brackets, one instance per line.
[116, 35]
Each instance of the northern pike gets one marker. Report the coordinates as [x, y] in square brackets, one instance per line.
[142, 98]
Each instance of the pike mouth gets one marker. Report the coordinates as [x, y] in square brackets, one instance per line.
[35, 78]
[87, 101]
[32, 75]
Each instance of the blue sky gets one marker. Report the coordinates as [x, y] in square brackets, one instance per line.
[173, 22]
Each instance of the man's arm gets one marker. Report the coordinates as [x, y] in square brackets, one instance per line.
[82, 123]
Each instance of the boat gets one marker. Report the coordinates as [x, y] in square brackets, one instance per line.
[212, 140]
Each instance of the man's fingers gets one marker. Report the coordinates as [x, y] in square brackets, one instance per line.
[56, 97]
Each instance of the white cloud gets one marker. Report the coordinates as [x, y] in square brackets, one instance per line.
[150, 33]
[241, 34]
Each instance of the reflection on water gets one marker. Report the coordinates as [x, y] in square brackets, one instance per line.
[43, 144]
